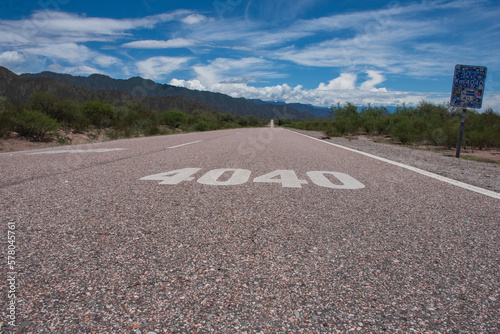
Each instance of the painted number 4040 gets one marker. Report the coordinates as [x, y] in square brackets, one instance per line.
[233, 177]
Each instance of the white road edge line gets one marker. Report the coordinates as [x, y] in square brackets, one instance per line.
[194, 142]
[414, 169]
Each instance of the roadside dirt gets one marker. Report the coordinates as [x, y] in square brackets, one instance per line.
[490, 155]
[16, 143]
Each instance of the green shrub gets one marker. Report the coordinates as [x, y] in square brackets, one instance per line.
[480, 139]
[67, 111]
[345, 125]
[202, 126]
[34, 125]
[226, 118]
[5, 118]
[287, 121]
[402, 131]
[81, 124]
[333, 132]
[99, 113]
[438, 137]
[173, 118]
[44, 102]
[451, 129]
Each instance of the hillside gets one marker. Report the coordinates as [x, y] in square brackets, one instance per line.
[19, 89]
[50, 111]
[139, 87]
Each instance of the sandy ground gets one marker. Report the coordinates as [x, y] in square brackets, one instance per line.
[15, 143]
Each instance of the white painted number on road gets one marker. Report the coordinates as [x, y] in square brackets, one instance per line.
[233, 177]
[173, 177]
[288, 178]
[347, 181]
[238, 176]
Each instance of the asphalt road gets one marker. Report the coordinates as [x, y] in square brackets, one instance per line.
[248, 230]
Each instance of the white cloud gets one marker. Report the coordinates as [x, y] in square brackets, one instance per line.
[69, 52]
[403, 39]
[390, 47]
[11, 58]
[375, 79]
[72, 53]
[341, 89]
[105, 61]
[45, 26]
[190, 84]
[74, 70]
[235, 70]
[491, 100]
[346, 81]
[406, 41]
[153, 44]
[157, 68]
[195, 18]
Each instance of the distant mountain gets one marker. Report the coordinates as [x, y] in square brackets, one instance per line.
[19, 89]
[313, 110]
[139, 87]
[303, 108]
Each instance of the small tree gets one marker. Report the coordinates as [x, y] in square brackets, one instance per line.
[173, 118]
[99, 113]
[34, 125]
[5, 117]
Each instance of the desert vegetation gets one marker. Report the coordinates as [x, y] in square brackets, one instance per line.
[47, 117]
[424, 124]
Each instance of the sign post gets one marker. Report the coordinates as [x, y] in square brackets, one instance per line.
[467, 92]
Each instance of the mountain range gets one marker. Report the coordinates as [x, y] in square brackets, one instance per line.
[19, 88]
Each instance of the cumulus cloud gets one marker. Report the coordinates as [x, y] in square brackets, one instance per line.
[340, 89]
[190, 84]
[375, 78]
[156, 68]
[11, 58]
[345, 81]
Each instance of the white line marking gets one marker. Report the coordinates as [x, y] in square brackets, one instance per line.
[414, 169]
[194, 142]
[97, 150]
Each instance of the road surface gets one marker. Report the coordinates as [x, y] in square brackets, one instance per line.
[247, 230]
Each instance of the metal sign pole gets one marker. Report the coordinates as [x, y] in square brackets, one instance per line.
[467, 92]
[460, 133]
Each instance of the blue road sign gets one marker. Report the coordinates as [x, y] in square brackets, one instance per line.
[468, 86]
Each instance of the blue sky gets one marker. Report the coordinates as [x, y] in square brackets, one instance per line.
[318, 52]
